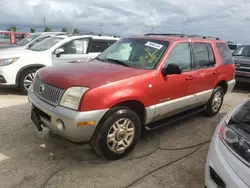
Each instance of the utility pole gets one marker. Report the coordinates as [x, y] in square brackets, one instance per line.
[152, 29]
[101, 24]
[44, 21]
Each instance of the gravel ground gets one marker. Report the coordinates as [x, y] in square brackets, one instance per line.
[32, 159]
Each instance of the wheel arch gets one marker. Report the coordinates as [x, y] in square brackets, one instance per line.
[137, 106]
[224, 85]
[19, 73]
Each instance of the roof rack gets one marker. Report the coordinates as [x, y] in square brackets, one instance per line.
[91, 33]
[182, 35]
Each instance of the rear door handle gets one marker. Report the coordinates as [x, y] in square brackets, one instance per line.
[215, 72]
[189, 77]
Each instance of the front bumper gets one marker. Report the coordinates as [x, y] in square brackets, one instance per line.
[231, 85]
[218, 163]
[69, 117]
[242, 76]
[8, 75]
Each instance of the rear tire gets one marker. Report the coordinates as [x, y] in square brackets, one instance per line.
[215, 102]
[117, 133]
[26, 79]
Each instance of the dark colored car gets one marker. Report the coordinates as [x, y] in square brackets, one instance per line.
[241, 58]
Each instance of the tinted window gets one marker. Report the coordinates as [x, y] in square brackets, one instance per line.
[226, 55]
[100, 46]
[4, 37]
[19, 37]
[76, 47]
[232, 46]
[180, 55]
[203, 55]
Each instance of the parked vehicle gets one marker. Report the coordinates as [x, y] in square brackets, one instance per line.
[228, 158]
[9, 37]
[233, 47]
[30, 40]
[139, 82]
[242, 64]
[17, 68]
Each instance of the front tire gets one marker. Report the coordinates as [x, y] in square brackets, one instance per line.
[26, 79]
[215, 102]
[117, 133]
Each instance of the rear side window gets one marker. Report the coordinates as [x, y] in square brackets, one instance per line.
[232, 46]
[203, 55]
[225, 53]
[4, 37]
[100, 46]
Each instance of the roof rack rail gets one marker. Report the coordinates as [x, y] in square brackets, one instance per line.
[91, 33]
[182, 35]
[165, 34]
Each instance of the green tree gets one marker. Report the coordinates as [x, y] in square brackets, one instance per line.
[12, 28]
[64, 30]
[32, 30]
[47, 29]
[75, 31]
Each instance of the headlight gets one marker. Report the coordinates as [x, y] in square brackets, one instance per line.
[72, 97]
[237, 139]
[4, 62]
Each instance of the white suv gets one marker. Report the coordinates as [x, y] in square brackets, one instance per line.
[17, 68]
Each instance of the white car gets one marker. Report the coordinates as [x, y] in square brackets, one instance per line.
[17, 68]
[228, 159]
[30, 41]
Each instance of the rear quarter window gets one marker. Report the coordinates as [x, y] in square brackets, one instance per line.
[225, 53]
[4, 37]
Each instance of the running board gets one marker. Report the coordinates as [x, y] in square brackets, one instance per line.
[175, 118]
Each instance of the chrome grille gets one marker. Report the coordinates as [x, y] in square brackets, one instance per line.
[46, 92]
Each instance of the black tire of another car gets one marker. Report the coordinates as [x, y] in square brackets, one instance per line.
[215, 102]
[25, 77]
[117, 133]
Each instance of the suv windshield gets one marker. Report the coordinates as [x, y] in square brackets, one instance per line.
[242, 51]
[46, 44]
[26, 40]
[135, 52]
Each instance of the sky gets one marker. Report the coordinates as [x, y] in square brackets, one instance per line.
[226, 19]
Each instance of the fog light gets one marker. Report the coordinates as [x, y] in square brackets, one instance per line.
[60, 124]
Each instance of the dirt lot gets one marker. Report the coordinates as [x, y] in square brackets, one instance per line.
[29, 159]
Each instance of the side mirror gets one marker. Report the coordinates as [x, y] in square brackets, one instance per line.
[171, 69]
[59, 51]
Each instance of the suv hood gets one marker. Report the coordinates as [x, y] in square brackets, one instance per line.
[87, 74]
[241, 59]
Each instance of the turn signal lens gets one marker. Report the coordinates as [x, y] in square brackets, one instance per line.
[81, 124]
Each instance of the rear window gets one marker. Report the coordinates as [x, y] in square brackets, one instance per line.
[225, 53]
[4, 37]
[232, 46]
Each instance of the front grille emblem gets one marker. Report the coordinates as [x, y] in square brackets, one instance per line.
[237, 65]
[41, 88]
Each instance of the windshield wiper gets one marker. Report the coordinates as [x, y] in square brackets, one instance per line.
[118, 62]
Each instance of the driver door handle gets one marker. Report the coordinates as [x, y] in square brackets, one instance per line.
[190, 77]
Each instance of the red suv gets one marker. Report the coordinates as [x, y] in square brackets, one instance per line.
[138, 82]
[9, 37]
